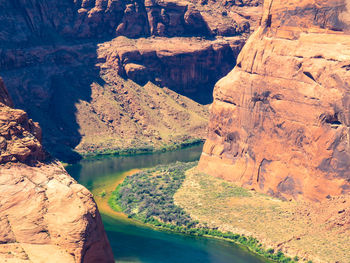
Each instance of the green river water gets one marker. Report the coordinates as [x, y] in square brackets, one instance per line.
[134, 242]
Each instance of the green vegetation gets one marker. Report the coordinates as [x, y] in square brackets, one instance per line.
[147, 196]
[102, 194]
[143, 150]
[233, 191]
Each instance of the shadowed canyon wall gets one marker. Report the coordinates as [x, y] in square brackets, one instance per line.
[280, 120]
[53, 65]
[44, 214]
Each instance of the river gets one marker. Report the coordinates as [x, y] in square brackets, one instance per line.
[135, 242]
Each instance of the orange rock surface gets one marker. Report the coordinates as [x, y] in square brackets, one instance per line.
[280, 120]
[45, 216]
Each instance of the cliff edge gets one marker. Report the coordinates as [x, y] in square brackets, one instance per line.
[280, 119]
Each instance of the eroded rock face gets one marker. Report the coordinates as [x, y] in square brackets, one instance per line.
[49, 21]
[45, 216]
[19, 136]
[280, 120]
[186, 65]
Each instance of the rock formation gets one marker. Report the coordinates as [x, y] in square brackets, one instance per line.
[280, 120]
[185, 65]
[45, 216]
[51, 62]
[19, 136]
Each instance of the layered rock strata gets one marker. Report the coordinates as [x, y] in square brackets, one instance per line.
[56, 21]
[45, 216]
[186, 65]
[280, 120]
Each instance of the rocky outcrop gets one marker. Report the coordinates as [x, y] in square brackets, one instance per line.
[45, 216]
[19, 136]
[186, 65]
[280, 120]
[218, 13]
[56, 21]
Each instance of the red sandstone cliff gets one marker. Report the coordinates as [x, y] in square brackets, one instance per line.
[280, 120]
[45, 216]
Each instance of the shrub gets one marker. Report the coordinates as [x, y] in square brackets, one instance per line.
[102, 194]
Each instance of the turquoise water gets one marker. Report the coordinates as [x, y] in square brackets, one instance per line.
[133, 242]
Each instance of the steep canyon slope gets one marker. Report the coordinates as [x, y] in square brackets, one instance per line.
[79, 67]
[280, 120]
[45, 216]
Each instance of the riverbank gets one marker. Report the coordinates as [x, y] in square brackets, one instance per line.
[103, 196]
[103, 192]
[148, 197]
[106, 153]
[319, 231]
[100, 175]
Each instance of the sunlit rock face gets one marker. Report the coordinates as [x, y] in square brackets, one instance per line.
[280, 120]
[45, 216]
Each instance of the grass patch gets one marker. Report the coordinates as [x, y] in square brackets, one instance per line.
[232, 191]
[112, 201]
[148, 196]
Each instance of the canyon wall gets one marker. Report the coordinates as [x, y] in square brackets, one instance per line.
[45, 215]
[280, 120]
[59, 62]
